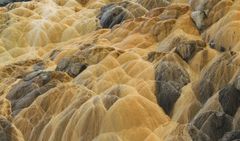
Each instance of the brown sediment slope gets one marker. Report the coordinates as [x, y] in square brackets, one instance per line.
[118, 70]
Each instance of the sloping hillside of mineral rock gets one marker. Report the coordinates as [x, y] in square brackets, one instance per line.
[120, 70]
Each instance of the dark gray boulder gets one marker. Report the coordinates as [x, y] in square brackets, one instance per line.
[72, 66]
[217, 75]
[170, 78]
[213, 124]
[231, 136]
[5, 2]
[169, 71]
[206, 90]
[112, 14]
[34, 84]
[236, 120]
[115, 13]
[167, 95]
[229, 98]
[5, 129]
[187, 49]
[196, 134]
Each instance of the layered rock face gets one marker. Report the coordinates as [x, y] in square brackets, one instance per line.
[120, 70]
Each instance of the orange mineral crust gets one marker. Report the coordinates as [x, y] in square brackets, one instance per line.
[119, 70]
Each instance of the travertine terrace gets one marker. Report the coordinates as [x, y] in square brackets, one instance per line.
[120, 70]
